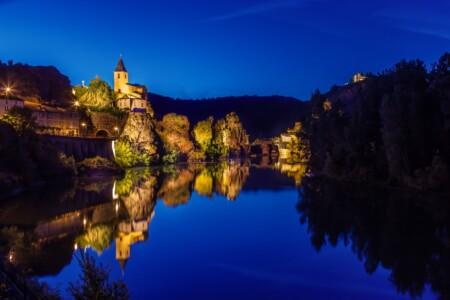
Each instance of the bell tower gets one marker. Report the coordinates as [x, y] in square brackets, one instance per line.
[120, 77]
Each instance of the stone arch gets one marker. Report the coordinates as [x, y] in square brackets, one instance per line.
[102, 133]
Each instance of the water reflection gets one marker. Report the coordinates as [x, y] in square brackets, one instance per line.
[406, 233]
[40, 231]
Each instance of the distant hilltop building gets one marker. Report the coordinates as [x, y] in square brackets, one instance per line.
[130, 97]
[358, 77]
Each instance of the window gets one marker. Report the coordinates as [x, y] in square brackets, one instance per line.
[118, 75]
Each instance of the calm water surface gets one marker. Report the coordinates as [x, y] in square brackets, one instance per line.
[234, 231]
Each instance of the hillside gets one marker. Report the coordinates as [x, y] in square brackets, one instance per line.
[263, 117]
[36, 83]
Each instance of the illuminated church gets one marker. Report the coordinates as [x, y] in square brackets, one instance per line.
[130, 97]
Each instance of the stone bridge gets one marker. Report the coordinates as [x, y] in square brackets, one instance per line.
[263, 148]
[82, 147]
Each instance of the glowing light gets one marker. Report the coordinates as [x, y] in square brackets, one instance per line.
[113, 146]
[117, 207]
[8, 89]
[77, 103]
[75, 247]
[116, 128]
[84, 222]
[114, 195]
[83, 124]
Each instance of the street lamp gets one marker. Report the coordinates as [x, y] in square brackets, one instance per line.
[8, 91]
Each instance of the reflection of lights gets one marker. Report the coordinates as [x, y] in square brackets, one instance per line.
[75, 247]
[117, 207]
[113, 146]
[114, 195]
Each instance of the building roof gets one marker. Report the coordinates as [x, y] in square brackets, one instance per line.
[120, 66]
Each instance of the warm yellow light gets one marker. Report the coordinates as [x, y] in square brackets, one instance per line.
[8, 89]
[83, 124]
[77, 103]
[116, 128]
[75, 247]
[84, 221]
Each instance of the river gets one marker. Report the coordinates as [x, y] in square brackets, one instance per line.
[233, 230]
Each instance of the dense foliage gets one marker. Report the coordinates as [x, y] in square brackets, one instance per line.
[25, 158]
[393, 126]
[173, 130]
[262, 117]
[97, 95]
[203, 134]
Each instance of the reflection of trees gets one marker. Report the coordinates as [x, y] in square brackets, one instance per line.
[94, 213]
[98, 237]
[140, 201]
[294, 171]
[230, 178]
[176, 186]
[204, 182]
[407, 234]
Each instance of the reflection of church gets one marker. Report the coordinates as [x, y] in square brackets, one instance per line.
[139, 205]
[130, 233]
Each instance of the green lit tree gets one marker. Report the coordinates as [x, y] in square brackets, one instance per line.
[203, 133]
[98, 95]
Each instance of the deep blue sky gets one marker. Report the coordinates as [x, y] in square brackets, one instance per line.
[204, 48]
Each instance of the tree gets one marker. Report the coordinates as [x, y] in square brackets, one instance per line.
[21, 119]
[230, 136]
[203, 134]
[128, 154]
[173, 130]
[94, 284]
[98, 95]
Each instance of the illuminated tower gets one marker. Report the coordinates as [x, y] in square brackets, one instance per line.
[120, 77]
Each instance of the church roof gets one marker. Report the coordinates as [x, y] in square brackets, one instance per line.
[120, 66]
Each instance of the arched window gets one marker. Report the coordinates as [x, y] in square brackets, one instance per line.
[118, 75]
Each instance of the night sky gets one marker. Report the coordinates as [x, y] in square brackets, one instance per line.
[206, 48]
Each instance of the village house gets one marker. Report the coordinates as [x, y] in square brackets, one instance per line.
[49, 119]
